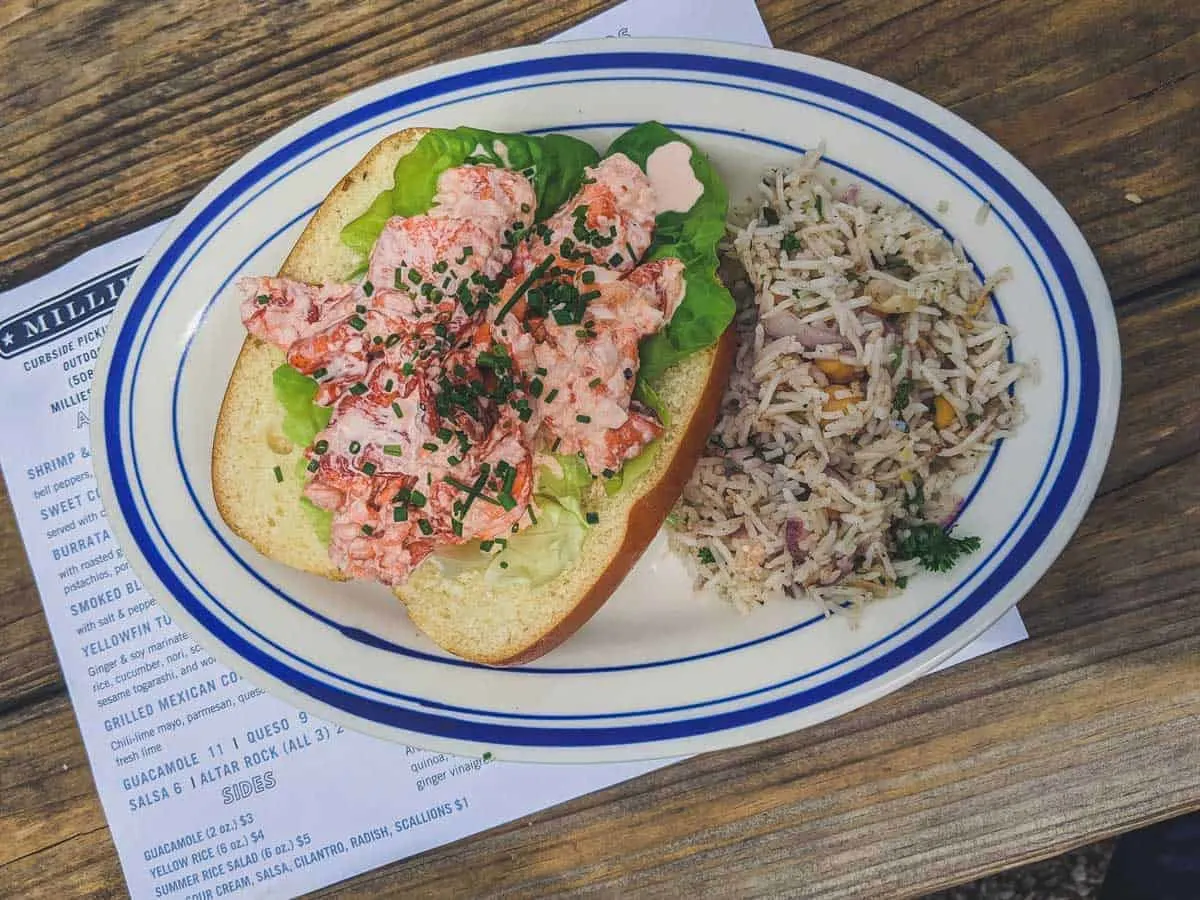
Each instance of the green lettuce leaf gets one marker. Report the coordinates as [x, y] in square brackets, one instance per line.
[540, 552]
[531, 557]
[302, 417]
[360, 234]
[574, 480]
[633, 469]
[707, 307]
[553, 162]
[302, 420]
[320, 519]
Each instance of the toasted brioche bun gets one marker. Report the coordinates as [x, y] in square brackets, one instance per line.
[465, 616]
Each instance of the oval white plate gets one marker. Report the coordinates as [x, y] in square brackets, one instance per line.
[659, 671]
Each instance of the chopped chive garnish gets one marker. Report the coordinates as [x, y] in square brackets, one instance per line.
[532, 517]
[583, 419]
[535, 387]
[540, 370]
[557, 443]
[471, 492]
[368, 468]
[456, 527]
[393, 449]
[313, 466]
[425, 527]
[444, 434]
[595, 382]
[533, 276]
[506, 500]
[615, 260]
[358, 388]
[355, 446]
[440, 266]
[357, 323]
[388, 385]
[399, 514]
[486, 546]
[407, 368]
[453, 460]
[430, 446]
[263, 299]
[367, 288]
[397, 410]
[414, 276]
[550, 396]
[321, 446]
[588, 276]
[416, 498]
[278, 474]
[401, 496]
[368, 530]
[320, 373]
[608, 473]
[392, 340]
[592, 518]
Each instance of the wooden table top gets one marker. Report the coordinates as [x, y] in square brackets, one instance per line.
[113, 116]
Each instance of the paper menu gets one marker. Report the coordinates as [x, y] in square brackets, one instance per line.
[212, 788]
[739, 22]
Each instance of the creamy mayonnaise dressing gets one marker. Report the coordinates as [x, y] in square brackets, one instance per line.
[676, 187]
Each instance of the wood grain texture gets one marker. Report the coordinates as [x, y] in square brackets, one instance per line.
[114, 115]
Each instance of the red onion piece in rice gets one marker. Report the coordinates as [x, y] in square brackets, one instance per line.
[810, 335]
[793, 533]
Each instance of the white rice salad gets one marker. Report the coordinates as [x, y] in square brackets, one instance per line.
[871, 375]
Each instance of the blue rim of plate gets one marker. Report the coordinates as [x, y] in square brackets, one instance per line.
[419, 721]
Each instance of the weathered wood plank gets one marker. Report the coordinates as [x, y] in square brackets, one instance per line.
[47, 793]
[1159, 419]
[27, 661]
[119, 128]
[119, 114]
